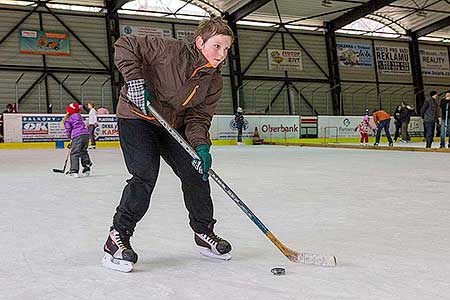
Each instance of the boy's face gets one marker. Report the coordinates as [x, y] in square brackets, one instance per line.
[215, 49]
[447, 96]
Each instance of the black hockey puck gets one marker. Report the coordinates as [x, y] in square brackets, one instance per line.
[278, 271]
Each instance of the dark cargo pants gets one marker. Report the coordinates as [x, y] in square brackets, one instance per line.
[142, 145]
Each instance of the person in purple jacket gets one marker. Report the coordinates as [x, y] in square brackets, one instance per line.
[78, 133]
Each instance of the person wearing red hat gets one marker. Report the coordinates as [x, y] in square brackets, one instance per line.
[78, 133]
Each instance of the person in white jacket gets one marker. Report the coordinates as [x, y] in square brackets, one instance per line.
[92, 123]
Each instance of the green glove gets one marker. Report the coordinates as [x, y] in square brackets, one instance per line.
[147, 100]
[204, 164]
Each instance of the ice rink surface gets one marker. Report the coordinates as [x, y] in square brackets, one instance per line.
[384, 214]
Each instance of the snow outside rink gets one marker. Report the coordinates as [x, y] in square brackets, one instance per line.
[384, 214]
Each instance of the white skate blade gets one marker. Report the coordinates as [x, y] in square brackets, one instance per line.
[208, 253]
[108, 261]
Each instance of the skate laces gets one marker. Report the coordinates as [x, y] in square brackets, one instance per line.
[212, 237]
[122, 241]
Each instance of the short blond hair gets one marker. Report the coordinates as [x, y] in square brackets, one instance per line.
[213, 26]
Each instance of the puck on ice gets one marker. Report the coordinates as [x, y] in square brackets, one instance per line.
[278, 271]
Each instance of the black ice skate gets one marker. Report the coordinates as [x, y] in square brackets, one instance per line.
[119, 254]
[87, 170]
[213, 246]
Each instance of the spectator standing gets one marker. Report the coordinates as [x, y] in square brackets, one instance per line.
[444, 105]
[405, 118]
[92, 124]
[102, 111]
[397, 122]
[429, 114]
[9, 110]
[239, 121]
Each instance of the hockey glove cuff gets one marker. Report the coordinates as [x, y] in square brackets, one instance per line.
[138, 93]
[204, 164]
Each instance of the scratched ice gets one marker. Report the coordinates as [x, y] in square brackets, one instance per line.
[384, 214]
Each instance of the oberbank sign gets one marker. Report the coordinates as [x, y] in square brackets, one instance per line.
[274, 129]
[268, 127]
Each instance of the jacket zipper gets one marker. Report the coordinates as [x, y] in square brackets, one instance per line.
[191, 95]
[207, 65]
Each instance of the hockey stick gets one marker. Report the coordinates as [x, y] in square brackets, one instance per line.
[65, 164]
[294, 256]
[446, 123]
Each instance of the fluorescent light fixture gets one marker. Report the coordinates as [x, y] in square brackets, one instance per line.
[431, 39]
[253, 23]
[12, 2]
[300, 27]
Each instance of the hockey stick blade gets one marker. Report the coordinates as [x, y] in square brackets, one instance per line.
[58, 171]
[300, 257]
[312, 259]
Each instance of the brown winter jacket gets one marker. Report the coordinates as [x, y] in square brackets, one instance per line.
[184, 88]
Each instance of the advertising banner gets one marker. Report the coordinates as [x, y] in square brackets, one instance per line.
[354, 55]
[141, 30]
[107, 129]
[184, 34]
[285, 60]
[392, 60]
[269, 127]
[42, 42]
[40, 128]
[47, 128]
[434, 63]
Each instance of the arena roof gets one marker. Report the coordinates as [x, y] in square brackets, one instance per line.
[429, 19]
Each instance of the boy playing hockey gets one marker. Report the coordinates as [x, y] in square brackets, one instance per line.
[182, 82]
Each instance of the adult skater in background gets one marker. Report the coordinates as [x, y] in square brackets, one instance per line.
[76, 130]
[429, 114]
[382, 120]
[182, 81]
[92, 124]
[239, 121]
[397, 121]
[102, 111]
[405, 117]
[444, 105]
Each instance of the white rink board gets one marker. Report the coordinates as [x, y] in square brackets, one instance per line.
[222, 127]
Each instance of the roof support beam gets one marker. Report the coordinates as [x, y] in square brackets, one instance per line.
[117, 5]
[433, 27]
[246, 10]
[416, 70]
[333, 70]
[357, 13]
[113, 33]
